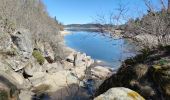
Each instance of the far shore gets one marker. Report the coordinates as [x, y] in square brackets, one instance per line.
[65, 32]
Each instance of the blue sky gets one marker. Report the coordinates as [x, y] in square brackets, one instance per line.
[85, 11]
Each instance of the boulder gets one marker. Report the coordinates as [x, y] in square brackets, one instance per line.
[96, 73]
[101, 72]
[119, 93]
[31, 68]
[16, 63]
[38, 78]
[6, 42]
[15, 78]
[79, 72]
[54, 81]
[71, 57]
[8, 91]
[67, 65]
[137, 77]
[25, 95]
[22, 38]
[53, 68]
[79, 60]
[82, 60]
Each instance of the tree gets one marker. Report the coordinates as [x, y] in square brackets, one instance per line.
[163, 5]
[32, 15]
[169, 6]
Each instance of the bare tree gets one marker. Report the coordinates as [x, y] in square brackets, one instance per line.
[163, 5]
[109, 25]
[32, 15]
[168, 6]
[149, 5]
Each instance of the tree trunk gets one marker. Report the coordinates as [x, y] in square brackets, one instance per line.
[168, 6]
[163, 6]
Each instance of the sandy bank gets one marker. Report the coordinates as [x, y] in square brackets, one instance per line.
[65, 32]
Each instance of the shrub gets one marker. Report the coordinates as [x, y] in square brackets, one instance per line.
[3, 95]
[163, 62]
[37, 55]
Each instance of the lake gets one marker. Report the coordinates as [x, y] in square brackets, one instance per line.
[110, 51]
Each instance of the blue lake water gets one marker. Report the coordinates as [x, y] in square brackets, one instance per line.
[109, 50]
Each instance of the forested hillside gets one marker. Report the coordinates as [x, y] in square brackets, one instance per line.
[31, 15]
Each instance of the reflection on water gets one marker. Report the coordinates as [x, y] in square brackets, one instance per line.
[109, 50]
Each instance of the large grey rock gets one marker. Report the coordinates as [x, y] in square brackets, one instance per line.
[82, 60]
[16, 63]
[67, 65]
[22, 38]
[25, 95]
[71, 57]
[100, 72]
[8, 91]
[14, 77]
[37, 78]
[6, 42]
[79, 60]
[120, 93]
[32, 67]
[53, 68]
[54, 81]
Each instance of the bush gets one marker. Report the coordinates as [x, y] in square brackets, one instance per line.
[37, 55]
[3, 95]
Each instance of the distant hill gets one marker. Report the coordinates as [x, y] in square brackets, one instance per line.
[84, 27]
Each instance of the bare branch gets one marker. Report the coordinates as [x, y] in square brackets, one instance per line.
[163, 5]
[149, 5]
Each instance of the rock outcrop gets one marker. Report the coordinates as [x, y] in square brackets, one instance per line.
[31, 68]
[146, 74]
[119, 93]
[8, 91]
[22, 39]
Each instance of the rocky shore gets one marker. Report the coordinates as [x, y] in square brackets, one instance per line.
[146, 73]
[28, 71]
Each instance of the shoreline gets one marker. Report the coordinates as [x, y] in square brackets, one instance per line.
[65, 32]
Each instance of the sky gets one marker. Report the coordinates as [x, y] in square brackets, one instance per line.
[86, 11]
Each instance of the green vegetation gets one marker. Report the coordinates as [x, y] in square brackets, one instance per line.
[163, 62]
[3, 95]
[37, 55]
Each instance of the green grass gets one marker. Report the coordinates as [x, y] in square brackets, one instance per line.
[37, 55]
